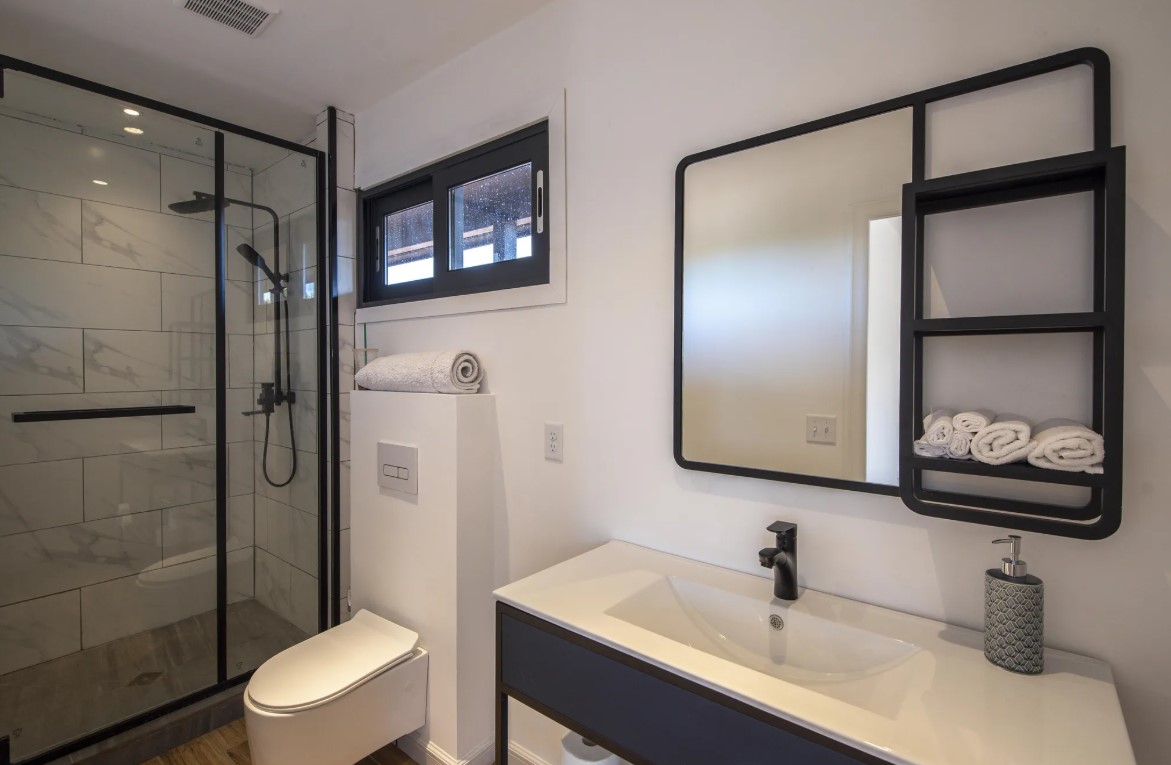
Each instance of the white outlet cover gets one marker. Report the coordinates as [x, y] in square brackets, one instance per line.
[554, 442]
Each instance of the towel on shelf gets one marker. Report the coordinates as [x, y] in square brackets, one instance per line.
[973, 421]
[960, 446]
[924, 449]
[431, 372]
[1067, 445]
[937, 427]
[1008, 438]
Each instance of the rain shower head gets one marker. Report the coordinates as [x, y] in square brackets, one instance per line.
[201, 204]
[254, 258]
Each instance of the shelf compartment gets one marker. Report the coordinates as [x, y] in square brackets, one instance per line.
[1101, 172]
[1020, 471]
[1017, 324]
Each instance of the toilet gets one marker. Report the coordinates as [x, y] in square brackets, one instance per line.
[338, 696]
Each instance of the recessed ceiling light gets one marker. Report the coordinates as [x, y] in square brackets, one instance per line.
[101, 183]
[131, 112]
[133, 130]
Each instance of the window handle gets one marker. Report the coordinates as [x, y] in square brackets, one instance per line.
[540, 201]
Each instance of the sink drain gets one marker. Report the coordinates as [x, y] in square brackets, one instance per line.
[776, 622]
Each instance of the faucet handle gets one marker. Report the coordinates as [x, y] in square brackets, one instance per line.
[783, 528]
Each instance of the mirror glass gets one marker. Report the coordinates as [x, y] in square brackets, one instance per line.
[791, 300]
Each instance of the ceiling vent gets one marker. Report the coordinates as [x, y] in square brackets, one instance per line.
[237, 14]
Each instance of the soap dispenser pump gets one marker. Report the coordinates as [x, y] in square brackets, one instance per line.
[1014, 614]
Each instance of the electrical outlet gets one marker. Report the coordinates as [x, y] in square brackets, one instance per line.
[820, 429]
[554, 442]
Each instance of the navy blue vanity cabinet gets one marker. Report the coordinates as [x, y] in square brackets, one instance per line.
[639, 711]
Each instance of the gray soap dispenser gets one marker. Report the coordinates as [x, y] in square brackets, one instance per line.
[1014, 614]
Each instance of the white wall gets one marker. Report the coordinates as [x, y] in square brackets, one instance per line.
[649, 82]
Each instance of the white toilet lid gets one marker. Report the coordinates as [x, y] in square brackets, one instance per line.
[329, 664]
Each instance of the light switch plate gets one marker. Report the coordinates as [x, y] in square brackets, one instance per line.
[398, 467]
[821, 429]
[554, 442]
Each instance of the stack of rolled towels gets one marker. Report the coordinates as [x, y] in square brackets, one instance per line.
[431, 372]
[1006, 438]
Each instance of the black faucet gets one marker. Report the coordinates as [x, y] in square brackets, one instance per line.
[782, 559]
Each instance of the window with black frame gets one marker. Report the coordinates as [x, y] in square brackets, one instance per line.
[474, 222]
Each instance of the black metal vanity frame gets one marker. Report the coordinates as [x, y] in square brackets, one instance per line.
[1100, 171]
[639, 711]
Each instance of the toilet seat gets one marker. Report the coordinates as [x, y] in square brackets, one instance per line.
[330, 664]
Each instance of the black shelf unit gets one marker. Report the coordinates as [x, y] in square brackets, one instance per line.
[1102, 173]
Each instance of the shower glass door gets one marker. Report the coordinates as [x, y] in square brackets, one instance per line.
[272, 268]
[150, 551]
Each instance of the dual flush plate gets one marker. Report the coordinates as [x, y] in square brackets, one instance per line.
[398, 467]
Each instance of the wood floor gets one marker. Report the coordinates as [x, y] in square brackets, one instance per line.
[229, 746]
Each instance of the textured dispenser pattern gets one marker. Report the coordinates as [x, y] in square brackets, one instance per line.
[1014, 625]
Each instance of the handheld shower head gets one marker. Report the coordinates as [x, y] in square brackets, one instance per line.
[201, 204]
[254, 258]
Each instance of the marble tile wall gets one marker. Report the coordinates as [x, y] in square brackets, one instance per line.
[107, 527]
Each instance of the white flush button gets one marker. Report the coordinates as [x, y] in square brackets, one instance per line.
[398, 467]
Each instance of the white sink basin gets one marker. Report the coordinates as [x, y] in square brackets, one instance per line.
[773, 637]
[905, 689]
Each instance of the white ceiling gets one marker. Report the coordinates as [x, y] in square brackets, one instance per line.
[316, 53]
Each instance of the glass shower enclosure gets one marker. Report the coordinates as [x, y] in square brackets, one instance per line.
[162, 407]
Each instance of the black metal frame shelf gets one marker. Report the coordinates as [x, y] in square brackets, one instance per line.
[1015, 324]
[1100, 172]
[1035, 179]
[1018, 471]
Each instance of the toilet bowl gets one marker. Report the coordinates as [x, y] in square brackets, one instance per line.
[338, 696]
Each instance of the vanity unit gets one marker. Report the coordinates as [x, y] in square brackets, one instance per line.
[668, 661]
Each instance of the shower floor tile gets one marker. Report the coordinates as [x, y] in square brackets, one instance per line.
[54, 702]
[229, 746]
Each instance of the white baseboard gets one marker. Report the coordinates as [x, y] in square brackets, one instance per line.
[428, 753]
[521, 756]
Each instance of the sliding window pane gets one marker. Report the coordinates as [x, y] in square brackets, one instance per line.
[410, 245]
[491, 218]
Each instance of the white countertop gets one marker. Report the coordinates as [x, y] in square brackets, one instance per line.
[945, 705]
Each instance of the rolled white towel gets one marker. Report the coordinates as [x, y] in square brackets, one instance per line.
[1067, 445]
[1006, 439]
[937, 427]
[960, 446]
[924, 449]
[973, 421]
[431, 372]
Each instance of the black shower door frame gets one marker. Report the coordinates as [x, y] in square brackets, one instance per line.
[327, 399]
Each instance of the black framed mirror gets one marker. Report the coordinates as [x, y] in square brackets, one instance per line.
[813, 265]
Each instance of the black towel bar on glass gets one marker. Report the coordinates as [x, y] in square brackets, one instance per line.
[58, 415]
